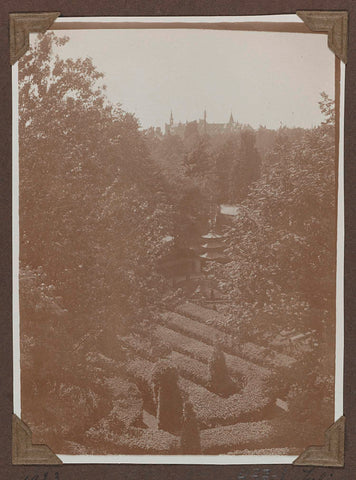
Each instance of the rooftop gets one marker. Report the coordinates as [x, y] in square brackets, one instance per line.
[229, 210]
[211, 255]
[211, 235]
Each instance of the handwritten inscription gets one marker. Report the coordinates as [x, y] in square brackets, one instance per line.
[43, 476]
[310, 473]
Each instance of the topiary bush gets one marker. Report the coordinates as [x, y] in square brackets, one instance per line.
[169, 400]
[220, 381]
[190, 436]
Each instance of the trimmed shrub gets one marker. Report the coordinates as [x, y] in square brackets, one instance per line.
[168, 397]
[190, 436]
[220, 381]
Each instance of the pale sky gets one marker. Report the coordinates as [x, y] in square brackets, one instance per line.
[262, 78]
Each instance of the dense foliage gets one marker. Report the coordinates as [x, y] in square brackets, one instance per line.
[93, 214]
[282, 248]
[86, 172]
[282, 243]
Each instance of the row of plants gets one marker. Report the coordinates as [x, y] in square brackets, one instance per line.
[203, 315]
[103, 440]
[144, 347]
[259, 354]
[191, 369]
[189, 320]
[188, 367]
[266, 437]
[183, 344]
[202, 352]
[224, 439]
[213, 410]
[139, 370]
[194, 329]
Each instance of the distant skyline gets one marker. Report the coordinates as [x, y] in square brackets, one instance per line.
[262, 78]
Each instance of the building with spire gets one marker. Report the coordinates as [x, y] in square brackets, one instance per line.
[203, 126]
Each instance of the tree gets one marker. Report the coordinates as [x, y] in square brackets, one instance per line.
[198, 160]
[311, 393]
[282, 245]
[220, 381]
[191, 212]
[190, 436]
[168, 397]
[201, 168]
[93, 212]
[327, 108]
[226, 157]
[168, 153]
[85, 171]
[246, 168]
[282, 251]
[191, 134]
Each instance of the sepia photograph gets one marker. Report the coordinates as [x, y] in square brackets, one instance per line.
[178, 241]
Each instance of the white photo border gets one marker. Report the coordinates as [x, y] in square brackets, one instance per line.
[339, 344]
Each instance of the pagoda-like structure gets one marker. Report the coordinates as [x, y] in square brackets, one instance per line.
[213, 248]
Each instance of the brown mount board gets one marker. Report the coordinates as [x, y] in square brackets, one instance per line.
[111, 472]
[334, 23]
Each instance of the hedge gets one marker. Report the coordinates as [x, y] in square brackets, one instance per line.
[257, 353]
[140, 371]
[183, 344]
[136, 441]
[204, 315]
[191, 369]
[282, 433]
[192, 328]
[212, 410]
[190, 318]
[145, 347]
[226, 439]
[202, 352]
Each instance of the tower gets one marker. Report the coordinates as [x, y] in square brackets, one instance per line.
[231, 121]
[213, 248]
[204, 121]
[171, 119]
